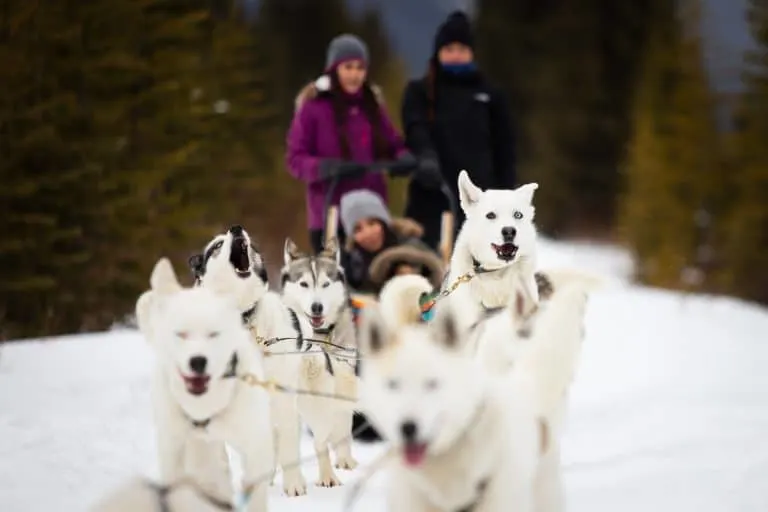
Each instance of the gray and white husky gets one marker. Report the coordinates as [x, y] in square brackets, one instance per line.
[314, 287]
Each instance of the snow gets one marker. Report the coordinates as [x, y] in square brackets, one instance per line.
[669, 411]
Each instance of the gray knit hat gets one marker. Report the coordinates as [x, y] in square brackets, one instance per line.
[362, 204]
[345, 47]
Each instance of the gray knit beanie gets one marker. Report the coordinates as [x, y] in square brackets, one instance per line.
[362, 204]
[345, 47]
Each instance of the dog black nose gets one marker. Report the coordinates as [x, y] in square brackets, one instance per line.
[408, 430]
[236, 230]
[197, 364]
[508, 233]
[316, 308]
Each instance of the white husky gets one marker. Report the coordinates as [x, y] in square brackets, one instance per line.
[523, 339]
[314, 286]
[231, 265]
[200, 401]
[463, 440]
[497, 245]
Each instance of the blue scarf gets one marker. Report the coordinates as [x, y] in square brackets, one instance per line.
[459, 69]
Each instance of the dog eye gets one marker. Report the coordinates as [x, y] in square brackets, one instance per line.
[430, 385]
[182, 335]
[213, 335]
[326, 284]
[490, 215]
[393, 385]
[218, 245]
[303, 284]
[518, 215]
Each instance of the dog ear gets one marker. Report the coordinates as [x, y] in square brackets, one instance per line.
[469, 193]
[290, 251]
[526, 191]
[143, 312]
[446, 325]
[373, 334]
[163, 278]
[331, 251]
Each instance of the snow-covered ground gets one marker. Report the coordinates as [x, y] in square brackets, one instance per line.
[669, 411]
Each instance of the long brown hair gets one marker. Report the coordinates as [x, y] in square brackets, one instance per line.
[371, 109]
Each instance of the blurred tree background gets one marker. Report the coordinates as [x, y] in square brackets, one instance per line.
[131, 129]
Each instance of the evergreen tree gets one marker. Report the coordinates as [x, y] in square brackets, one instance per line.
[569, 71]
[297, 33]
[747, 228]
[674, 173]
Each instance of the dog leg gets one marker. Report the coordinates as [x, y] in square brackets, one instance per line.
[318, 413]
[171, 456]
[328, 477]
[288, 449]
[253, 471]
[341, 437]
[548, 487]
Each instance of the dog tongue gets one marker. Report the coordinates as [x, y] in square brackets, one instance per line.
[415, 453]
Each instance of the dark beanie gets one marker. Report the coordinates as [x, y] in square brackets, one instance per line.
[455, 29]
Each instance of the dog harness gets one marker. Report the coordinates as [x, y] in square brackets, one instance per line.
[481, 487]
[162, 492]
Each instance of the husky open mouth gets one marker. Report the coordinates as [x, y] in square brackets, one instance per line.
[506, 251]
[239, 258]
[316, 321]
[414, 453]
[196, 384]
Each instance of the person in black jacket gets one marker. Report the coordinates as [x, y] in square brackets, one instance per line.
[454, 119]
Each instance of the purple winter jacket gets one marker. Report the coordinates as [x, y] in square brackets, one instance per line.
[313, 137]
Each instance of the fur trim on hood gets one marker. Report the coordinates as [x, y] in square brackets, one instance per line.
[414, 253]
[404, 227]
[323, 84]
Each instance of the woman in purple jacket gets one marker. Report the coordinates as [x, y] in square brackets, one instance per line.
[340, 125]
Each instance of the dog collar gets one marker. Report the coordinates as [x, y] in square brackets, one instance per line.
[478, 268]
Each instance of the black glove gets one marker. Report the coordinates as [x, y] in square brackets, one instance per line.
[428, 173]
[330, 169]
[404, 165]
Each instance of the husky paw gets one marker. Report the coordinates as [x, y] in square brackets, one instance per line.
[328, 481]
[294, 487]
[345, 462]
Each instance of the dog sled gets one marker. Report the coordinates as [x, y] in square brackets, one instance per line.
[447, 224]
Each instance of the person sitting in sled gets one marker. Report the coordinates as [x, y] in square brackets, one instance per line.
[379, 247]
[339, 124]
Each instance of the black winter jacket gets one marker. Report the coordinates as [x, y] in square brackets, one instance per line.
[470, 129]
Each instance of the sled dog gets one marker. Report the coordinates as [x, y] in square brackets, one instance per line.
[315, 288]
[496, 244]
[522, 339]
[200, 401]
[462, 439]
[232, 265]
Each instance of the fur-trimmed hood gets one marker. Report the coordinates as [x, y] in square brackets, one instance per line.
[322, 85]
[410, 249]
